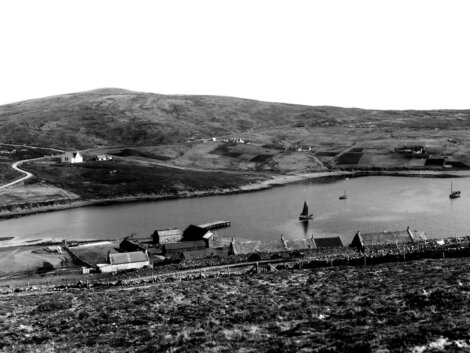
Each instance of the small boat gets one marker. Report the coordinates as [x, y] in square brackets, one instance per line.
[344, 196]
[453, 194]
[305, 216]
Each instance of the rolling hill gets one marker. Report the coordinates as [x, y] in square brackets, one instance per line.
[110, 116]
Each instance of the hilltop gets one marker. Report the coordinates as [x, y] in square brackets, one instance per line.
[111, 116]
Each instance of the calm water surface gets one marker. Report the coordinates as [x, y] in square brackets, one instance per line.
[374, 204]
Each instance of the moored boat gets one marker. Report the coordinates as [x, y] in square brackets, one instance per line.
[305, 216]
[453, 194]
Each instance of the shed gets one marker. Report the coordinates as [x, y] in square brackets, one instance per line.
[170, 235]
[194, 233]
[124, 261]
[176, 249]
[103, 157]
[203, 253]
[331, 242]
[131, 245]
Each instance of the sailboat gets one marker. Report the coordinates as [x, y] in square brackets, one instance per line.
[304, 216]
[344, 196]
[453, 194]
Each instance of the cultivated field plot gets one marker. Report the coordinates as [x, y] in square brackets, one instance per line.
[31, 194]
[398, 307]
[351, 158]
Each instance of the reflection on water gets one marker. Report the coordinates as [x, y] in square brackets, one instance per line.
[374, 204]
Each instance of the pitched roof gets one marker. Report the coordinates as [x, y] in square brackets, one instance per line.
[251, 247]
[127, 257]
[168, 232]
[328, 242]
[195, 233]
[384, 238]
[300, 244]
[183, 245]
[202, 253]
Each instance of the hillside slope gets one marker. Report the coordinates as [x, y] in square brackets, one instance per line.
[116, 117]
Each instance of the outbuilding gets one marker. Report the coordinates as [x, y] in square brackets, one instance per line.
[170, 235]
[124, 261]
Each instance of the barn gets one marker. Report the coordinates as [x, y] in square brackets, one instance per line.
[170, 235]
[124, 261]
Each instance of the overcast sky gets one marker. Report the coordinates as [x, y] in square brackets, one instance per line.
[370, 54]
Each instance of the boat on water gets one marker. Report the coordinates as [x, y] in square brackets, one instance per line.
[344, 196]
[453, 194]
[305, 216]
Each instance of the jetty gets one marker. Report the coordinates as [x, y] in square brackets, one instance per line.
[215, 225]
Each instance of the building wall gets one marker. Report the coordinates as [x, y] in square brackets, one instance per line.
[129, 266]
[67, 157]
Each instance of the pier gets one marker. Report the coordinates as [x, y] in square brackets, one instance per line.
[215, 225]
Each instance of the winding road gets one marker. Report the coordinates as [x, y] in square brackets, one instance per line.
[26, 176]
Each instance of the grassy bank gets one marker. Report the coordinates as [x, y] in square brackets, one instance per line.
[116, 179]
[399, 307]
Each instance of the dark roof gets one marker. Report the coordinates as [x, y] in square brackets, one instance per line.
[328, 242]
[194, 233]
[202, 253]
[130, 245]
[127, 257]
[184, 245]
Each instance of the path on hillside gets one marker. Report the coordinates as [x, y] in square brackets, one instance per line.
[26, 176]
[16, 165]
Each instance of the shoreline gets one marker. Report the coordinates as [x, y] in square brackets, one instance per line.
[274, 181]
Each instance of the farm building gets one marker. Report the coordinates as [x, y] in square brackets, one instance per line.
[103, 157]
[175, 250]
[195, 233]
[130, 245]
[72, 157]
[328, 242]
[163, 236]
[301, 244]
[386, 238]
[240, 248]
[124, 261]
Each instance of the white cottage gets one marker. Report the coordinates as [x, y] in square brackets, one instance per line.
[72, 157]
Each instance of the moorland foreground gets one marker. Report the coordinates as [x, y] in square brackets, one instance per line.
[416, 306]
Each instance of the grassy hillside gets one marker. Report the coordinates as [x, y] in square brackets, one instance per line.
[409, 306]
[117, 117]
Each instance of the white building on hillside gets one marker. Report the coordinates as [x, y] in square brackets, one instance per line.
[72, 157]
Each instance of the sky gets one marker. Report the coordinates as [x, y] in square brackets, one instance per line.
[376, 54]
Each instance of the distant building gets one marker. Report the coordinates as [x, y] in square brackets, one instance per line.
[163, 236]
[361, 241]
[195, 233]
[131, 245]
[72, 157]
[103, 157]
[332, 242]
[175, 250]
[124, 261]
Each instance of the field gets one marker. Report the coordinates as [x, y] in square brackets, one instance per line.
[114, 179]
[411, 306]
